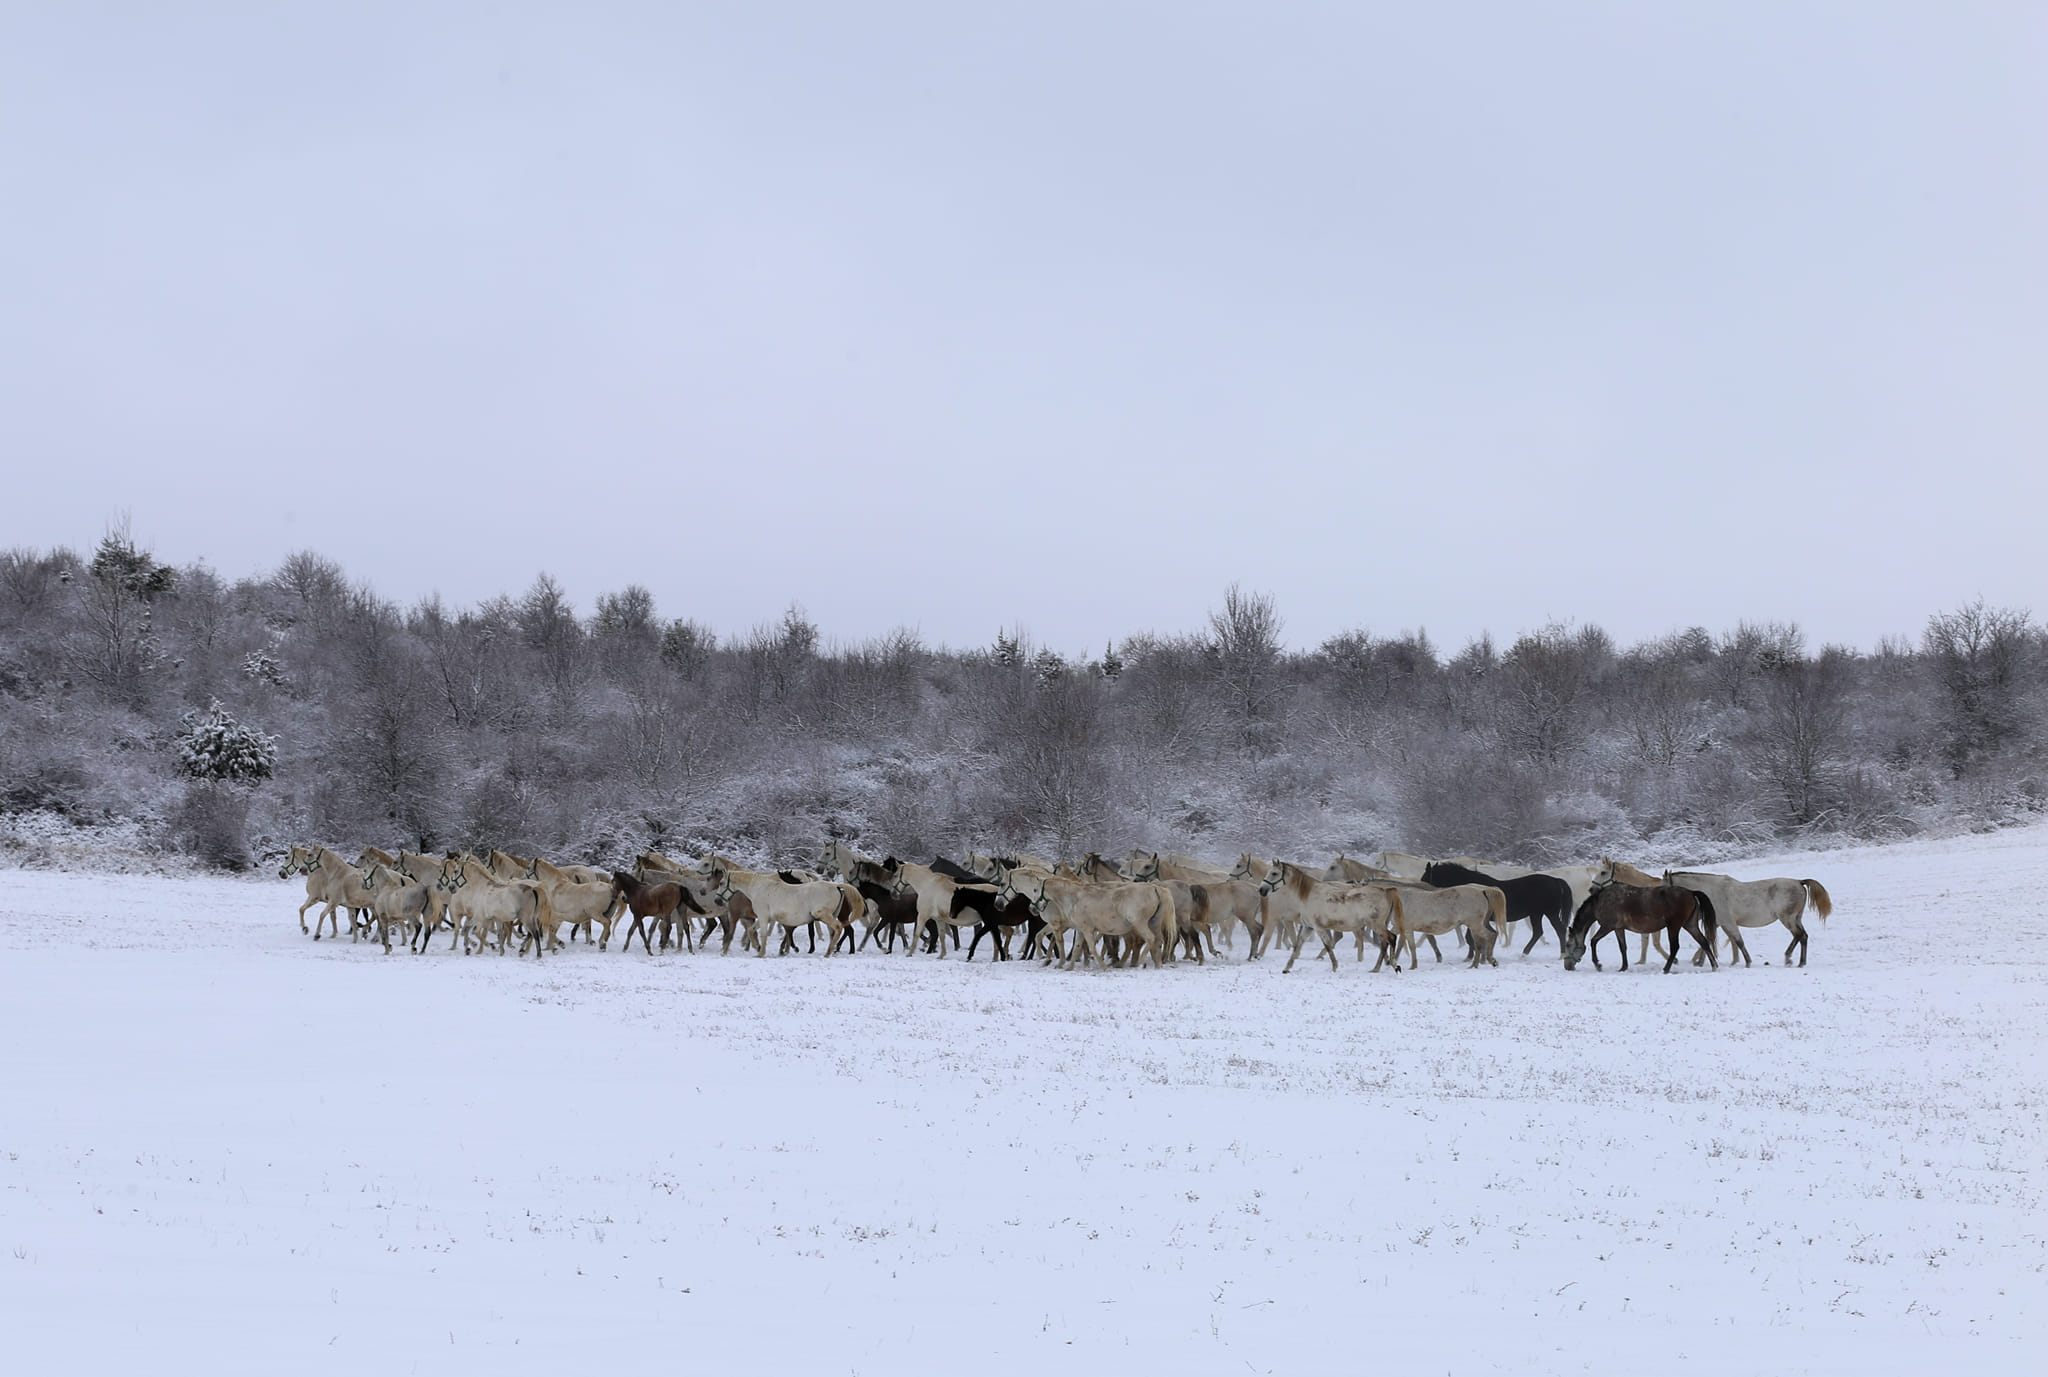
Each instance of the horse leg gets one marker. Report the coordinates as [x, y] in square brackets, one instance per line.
[1435, 948]
[1535, 933]
[1671, 936]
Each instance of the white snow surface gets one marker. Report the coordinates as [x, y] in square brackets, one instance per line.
[226, 1148]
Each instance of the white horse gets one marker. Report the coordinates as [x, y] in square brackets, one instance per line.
[331, 879]
[494, 907]
[1140, 913]
[1298, 903]
[778, 903]
[1403, 866]
[395, 901]
[1742, 904]
[1481, 910]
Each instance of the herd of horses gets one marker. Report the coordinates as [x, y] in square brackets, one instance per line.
[1148, 908]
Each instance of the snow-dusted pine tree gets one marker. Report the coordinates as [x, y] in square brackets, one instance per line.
[214, 746]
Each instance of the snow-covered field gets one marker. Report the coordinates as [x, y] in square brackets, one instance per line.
[226, 1148]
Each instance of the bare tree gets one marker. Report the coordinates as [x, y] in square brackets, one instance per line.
[1657, 703]
[1977, 653]
[1245, 638]
[1542, 689]
[1798, 732]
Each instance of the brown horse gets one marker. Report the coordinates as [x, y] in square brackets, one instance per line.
[1620, 909]
[657, 901]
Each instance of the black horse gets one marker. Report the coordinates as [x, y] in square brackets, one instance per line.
[996, 915]
[1537, 898]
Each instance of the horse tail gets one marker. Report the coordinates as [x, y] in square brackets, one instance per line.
[1821, 903]
[544, 913]
[1497, 907]
[1706, 911]
[1161, 899]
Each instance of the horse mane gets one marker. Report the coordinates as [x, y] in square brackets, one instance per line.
[1297, 879]
[1452, 873]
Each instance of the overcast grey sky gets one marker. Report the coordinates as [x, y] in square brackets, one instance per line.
[1465, 316]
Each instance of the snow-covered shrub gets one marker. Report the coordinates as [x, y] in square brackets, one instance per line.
[214, 746]
[263, 667]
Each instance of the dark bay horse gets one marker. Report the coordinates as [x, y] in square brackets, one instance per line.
[1537, 898]
[1620, 908]
[664, 902]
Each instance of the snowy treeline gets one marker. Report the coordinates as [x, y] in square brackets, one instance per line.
[225, 719]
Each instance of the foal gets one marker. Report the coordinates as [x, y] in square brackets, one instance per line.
[657, 901]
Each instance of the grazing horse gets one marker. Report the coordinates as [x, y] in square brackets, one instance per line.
[1608, 872]
[1533, 898]
[1623, 908]
[1757, 904]
[664, 902]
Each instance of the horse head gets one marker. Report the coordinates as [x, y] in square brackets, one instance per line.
[1582, 922]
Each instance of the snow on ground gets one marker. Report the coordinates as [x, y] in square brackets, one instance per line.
[226, 1148]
